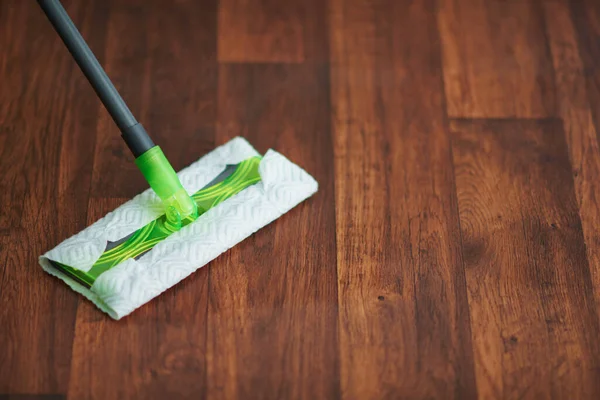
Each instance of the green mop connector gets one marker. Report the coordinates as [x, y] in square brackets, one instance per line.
[164, 181]
[148, 157]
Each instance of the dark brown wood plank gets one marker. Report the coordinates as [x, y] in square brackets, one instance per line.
[166, 357]
[183, 66]
[271, 31]
[533, 317]
[126, 61]
[49, 115]
[580, 130]
[37, 317]
[585, 15]
[404, 326]
[4, 253]
[13, 143]
[273, 302]
[496, 60]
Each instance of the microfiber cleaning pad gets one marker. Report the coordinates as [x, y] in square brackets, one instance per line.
[129, 257]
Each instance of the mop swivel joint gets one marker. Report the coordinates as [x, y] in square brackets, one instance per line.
[164, 181]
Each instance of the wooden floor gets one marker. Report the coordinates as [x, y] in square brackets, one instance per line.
[452, 250]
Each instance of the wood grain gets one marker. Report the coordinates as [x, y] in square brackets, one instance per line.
[13, 147]
[183, 71]
[586, 20]
[529, 283]
[5, 243]
[450, 252]
[273, 302]
[271, 31]
[403, 308]
[126, 59]
[580, 130]
[496, 60]
[38, 357]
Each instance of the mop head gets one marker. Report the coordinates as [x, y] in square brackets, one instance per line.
[129, 257]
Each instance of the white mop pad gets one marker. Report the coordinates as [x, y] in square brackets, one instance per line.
[130, 284]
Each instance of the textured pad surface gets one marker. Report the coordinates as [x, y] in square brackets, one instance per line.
[132, 283]
[231, 181]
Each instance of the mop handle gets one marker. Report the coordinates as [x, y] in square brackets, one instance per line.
[132, 131]
[148, 157]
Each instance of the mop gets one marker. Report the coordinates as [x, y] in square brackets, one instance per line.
[183, 221]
